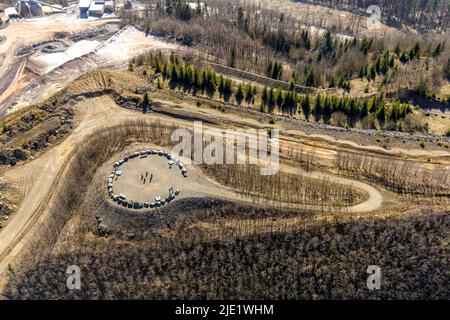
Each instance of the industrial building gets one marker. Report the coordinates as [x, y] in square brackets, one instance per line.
[109, 6]
[83, 6]
[95, 8]
[23, 9]
[11, 13]
[30, 8]
[35, 8]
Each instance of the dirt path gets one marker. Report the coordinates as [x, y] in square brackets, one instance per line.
[26, 32]
[327, 144]
[15, 85]
[56, 70]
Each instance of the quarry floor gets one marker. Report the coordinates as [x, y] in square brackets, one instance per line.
[29, 74]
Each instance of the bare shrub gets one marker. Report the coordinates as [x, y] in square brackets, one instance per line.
[405, 177]
[284, 187]
[339, 119]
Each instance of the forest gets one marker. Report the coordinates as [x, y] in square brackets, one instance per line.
[263, 38]
[417, 13]
[325, 261]
[374, 112]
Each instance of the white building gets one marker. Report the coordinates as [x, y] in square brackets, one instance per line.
[96, 8]
[11, 13]
[83, 6]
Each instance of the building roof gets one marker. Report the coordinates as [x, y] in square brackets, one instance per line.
[84, 3]
[11, 11]
[97, 7]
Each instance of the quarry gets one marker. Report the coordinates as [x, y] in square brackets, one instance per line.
[94, 96]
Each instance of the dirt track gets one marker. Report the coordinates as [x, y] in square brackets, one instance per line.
[41, 74]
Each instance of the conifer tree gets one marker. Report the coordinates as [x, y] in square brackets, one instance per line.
[239, 94]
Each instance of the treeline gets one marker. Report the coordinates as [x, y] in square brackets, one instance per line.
[329, 109]
[264, 259]
[419, 14]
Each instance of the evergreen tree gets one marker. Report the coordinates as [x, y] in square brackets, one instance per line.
[381, 113]
[269, 69]
[280, 97]
[306, 41]
[397, 50]
[249, 93]
[232, 63]
[291, 85]
[165, 71]
[174, 73]
[145, 103]
[310, 79]
[372, 73]
[439, 48]
[332, 83]
[265, 96]
[221, 84]
[212, 82]
[318, 107]
[326, 47]
[159, 83]
[306, 106]
[239, 94]
[415, 52]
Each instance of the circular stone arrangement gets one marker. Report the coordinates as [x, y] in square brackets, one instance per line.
[158, 201]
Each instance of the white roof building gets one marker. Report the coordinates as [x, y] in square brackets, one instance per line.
[11, 12]
[84, 4]
[96, 8]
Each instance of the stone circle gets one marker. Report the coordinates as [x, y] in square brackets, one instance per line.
[159, 200]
